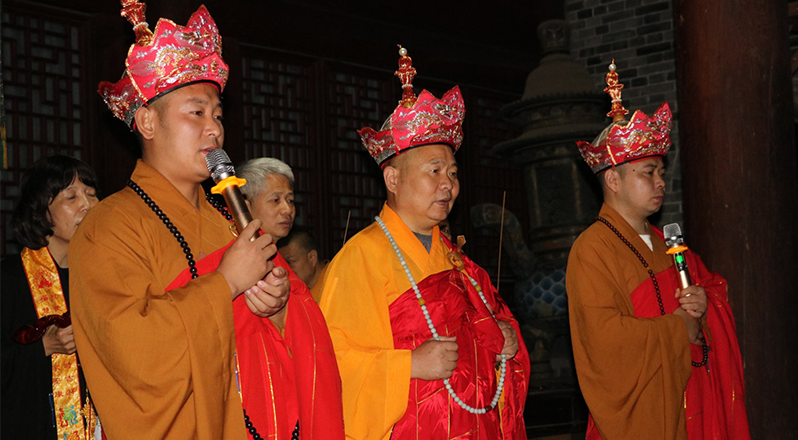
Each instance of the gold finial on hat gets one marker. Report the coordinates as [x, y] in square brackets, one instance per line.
[406, 73]
[133, 11]
[618, 112]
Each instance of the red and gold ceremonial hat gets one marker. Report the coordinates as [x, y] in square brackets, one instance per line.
[159, 62]
[417, 121]
[626, 141]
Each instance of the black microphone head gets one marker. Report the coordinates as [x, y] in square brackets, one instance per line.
[219, 165]
[673, 234]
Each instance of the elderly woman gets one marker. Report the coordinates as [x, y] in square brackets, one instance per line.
[270, 194]
[38, 347]
[288, 366]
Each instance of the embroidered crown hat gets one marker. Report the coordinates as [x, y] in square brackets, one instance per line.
[418, 120]
[159, 62]
[626, 141]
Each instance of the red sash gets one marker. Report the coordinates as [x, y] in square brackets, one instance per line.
[284, 379]
[715, 394]
[456, 310]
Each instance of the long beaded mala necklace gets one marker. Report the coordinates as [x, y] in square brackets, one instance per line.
[193, 269]
[434, 331]
[705, 347]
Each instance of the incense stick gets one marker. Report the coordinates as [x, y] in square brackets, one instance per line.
[501, 238]
[346, 229]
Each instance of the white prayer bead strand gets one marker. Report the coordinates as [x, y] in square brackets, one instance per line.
[422, 303]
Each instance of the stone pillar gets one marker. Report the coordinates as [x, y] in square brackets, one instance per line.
[739, 185]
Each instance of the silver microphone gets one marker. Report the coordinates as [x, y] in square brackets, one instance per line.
[676, 247]
[229, 186]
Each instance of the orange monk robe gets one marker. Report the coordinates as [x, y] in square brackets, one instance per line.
[159, 365]
[632, 371]
[362, 281]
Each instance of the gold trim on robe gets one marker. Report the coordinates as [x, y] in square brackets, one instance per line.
[72, 421]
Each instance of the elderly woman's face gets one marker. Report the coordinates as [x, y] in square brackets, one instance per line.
[274, 206]
[68, 208]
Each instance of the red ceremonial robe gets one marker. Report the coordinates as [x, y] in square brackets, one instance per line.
[457, 310]
[287, 379]
[714, 399]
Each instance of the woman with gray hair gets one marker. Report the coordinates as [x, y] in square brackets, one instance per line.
[269, 194]
[288, 367]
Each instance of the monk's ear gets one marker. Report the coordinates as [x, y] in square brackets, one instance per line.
[146, 122]
[391, 176]
[612, 180]
[313, 256]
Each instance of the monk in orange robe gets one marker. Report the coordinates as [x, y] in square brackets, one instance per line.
[159, 357]
[654, 360]
[426, 347]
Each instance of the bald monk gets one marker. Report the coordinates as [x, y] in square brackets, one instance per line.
[426, 346]
[301, 251]
[154, 328]
[654, 361]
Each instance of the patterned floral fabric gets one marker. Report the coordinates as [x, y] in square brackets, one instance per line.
[417, 121]
[627, 141]
[161, 61]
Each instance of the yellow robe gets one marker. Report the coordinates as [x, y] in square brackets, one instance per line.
[632, 371]
[317, 288]
[363, 279]
[159, 365]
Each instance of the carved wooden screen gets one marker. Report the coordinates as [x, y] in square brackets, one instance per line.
[355, 98]
[46, 103]
[305, 111]
[279, 116]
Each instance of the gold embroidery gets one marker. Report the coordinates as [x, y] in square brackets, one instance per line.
[694, 415]
[430, 396]
[73, 421]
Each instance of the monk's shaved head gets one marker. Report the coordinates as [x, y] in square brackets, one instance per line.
[400, 162]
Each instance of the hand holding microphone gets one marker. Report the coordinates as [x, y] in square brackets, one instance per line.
[248, 260]
[693, 299]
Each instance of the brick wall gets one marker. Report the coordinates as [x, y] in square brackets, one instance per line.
[639, 35]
